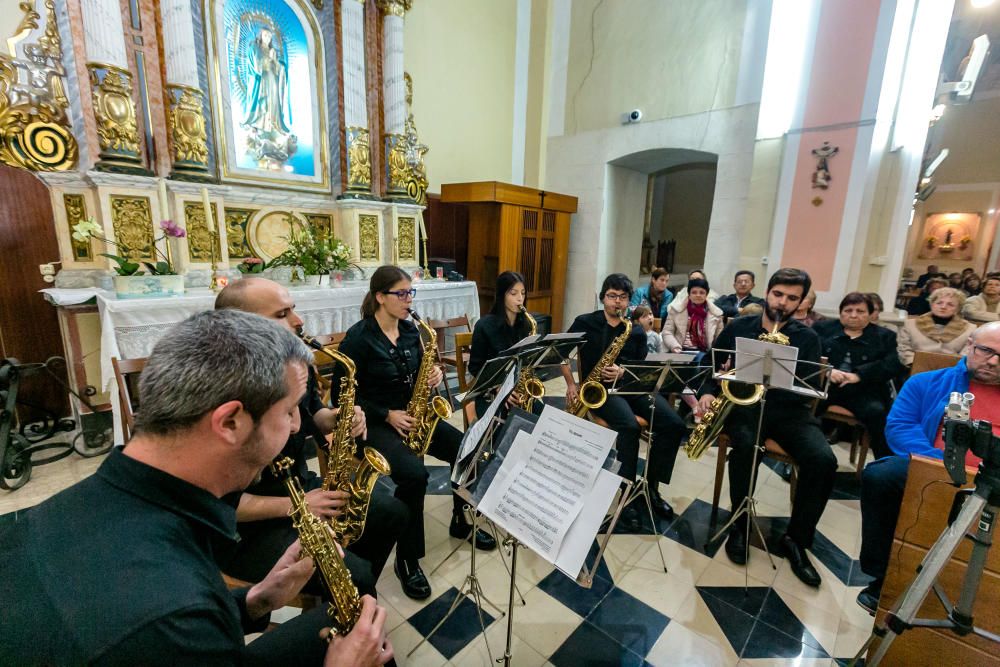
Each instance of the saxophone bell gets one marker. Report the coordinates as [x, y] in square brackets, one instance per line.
[529, 386]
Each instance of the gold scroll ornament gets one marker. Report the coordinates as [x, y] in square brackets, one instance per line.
[368, 238]
[405, 246]
[237, 220]
[199, 240]
[359, 164]
[76, 212]
[187, 126]
[114, 110]
[132, 220]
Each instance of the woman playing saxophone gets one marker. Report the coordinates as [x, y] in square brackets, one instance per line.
[388, 356]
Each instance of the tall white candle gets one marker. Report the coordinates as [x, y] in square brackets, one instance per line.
[209, 219]
[164, 203]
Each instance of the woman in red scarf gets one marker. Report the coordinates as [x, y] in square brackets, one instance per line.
[692, 323]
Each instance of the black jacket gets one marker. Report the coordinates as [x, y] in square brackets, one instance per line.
[492, 336]
[599, 335]
[872, 355]
[730, 304]
[385, 372]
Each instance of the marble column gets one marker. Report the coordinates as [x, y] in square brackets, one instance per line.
[394, 95]
[185, 115]
[357, 136]
[111, 85]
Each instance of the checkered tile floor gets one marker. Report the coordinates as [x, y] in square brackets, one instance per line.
[703, 611]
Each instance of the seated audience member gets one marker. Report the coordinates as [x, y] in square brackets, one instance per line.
[643, 318]
[683, 291]
[932, 270]
[955, 279]
[968, 271]
[863, 358]
[119, 569]
[972, 285]
[942, 330]
[655, 295]
[914, 427]
[731, 305]
[921, 304]
[984, 307]
[692, 322]
[877, 307]
[805, 313]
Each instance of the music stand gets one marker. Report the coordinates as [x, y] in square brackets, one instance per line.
[767, 371]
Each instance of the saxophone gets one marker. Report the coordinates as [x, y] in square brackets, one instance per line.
[424, 409]
[592, 393]
[710, 427]
[343, 471]
[318, 543]
[528, 385]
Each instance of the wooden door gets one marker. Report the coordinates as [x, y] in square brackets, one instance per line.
[29, 327]
[536, 255]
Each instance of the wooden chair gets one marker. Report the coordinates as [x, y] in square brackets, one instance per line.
[772, 450]
[463, 345]
[324, 364]
[861, 441]
[448, 357]
[932, 361]
[126, 375]
[657, 324]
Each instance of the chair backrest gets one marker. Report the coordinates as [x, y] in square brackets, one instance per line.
[657, 324]
[126, 377]
[463, 344]
[932, 361]
[441, 327]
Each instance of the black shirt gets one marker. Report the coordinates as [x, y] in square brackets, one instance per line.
[119, 570]
[730, 304]
[918, 305]
[492, 336]
[872, 355]
[385, 372]
[599, 335]
[749, 326]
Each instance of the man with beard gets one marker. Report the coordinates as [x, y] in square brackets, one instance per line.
[914, 427]
[788, 420]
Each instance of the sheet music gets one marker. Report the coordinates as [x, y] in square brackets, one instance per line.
[752, 363]
[527, 340]
[674, 357]
[576, 544]
[475, 432]
[546, 478]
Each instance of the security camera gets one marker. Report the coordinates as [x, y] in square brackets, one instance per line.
[633, 116]
[970, 69]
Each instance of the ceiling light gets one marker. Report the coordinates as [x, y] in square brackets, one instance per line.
[991, 211]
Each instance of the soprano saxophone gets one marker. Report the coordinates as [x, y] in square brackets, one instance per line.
[528, 384]
[319, 544]
[425, 410]
[592, 392]
[343, 471]
[710, 427]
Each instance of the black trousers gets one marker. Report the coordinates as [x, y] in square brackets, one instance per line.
[263, 542]
[882, 485]
[871, 410]
[668, 429]
[410, 476]
[799, 434]
[294, 642]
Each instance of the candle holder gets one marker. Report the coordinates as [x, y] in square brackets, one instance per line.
[213, 284]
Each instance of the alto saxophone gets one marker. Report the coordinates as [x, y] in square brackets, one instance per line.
[425, 410]
[343, 471]
[528, 384]
[592, 392]
[710, 427]
[319, 544]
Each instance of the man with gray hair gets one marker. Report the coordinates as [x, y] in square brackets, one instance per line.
[914, 427]
[120, 568]
[264, 526]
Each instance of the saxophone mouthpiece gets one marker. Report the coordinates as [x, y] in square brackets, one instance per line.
[413, 314]
[311, 342]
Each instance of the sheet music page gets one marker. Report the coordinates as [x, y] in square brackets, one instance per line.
[576, 544]
[475, 432]
[751, 362]
[544, 481]
[527, 340]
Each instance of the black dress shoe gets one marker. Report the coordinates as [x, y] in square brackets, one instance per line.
[736, 545]
[412, 578]
[662, 507]
[799, 560]
[869, 595]
[629, 520]
[462, 530]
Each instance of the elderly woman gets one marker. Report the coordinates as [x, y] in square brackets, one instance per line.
[692, 322]
[861, 353]
[805, 313]
[942, 330]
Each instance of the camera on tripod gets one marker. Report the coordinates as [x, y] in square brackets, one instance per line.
[963, 434]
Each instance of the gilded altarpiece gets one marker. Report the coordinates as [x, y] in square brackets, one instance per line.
[368, 238]
[76, 211]
[199, 240]
[132, 221]
[237, 221]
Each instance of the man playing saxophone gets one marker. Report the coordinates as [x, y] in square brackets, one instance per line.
[788, 420]
[602, 328]
[265, 527]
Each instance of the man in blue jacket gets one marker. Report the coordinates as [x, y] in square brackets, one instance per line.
[914, 428]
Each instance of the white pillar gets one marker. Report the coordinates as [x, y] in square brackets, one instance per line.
[103, 33]
[179, 51]
[186, 117]
[394, 95]
[357, 137]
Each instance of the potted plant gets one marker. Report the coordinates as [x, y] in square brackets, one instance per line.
[252, 265]
[160, 278]
[316, 256]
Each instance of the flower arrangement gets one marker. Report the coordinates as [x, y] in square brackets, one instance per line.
[314, 254]
[252, 265]
[87, 229]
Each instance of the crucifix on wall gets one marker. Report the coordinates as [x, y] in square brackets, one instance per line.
[821, 177]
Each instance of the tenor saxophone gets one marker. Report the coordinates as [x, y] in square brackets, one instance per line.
[319, 544]
[528, 384]
[425, 410]
[710, 427]
[592, 392]
[343, 471]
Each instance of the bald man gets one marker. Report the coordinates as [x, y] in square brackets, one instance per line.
[914, 427]
[263, 508]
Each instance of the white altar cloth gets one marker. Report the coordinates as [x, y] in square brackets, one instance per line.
[131, 327]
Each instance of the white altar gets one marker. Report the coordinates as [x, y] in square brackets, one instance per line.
[131, 327]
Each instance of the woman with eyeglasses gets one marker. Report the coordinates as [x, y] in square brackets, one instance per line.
[600, 328]
[386, 348]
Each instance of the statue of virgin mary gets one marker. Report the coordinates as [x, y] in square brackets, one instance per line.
[268, 96]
